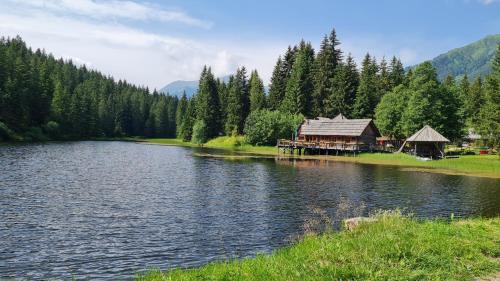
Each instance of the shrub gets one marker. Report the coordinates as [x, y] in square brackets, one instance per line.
[52, 129]
[6, 133]
[264, 127]
[200, 132]
[34, 134]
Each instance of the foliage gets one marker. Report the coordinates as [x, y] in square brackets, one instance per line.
[52, 130]
[200, 132]
[264, 127]
[36, 88]
[394, 247]
[299, 86]
[6, 133]
[256, 90]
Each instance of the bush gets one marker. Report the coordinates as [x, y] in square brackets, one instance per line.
[35, 134]
[264, 127]
[200, 132]
[52, 129]
[6, 133]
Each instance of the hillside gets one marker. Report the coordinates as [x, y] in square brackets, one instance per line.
[473, 59]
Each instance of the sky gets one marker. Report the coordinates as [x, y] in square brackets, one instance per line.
[152, 43]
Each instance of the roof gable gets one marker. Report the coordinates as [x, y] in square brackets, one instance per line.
[427, 134]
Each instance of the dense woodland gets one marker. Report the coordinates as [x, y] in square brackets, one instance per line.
[43, 97]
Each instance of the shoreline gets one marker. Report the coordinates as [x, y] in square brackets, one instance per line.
[406, 162]
[386, 246]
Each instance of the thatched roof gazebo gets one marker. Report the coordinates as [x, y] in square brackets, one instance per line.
[427, 142]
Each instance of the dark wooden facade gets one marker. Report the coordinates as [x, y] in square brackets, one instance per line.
[324, 135]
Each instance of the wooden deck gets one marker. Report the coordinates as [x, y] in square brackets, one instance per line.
[320, 147]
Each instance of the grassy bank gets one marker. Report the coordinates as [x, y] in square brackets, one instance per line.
[471, 165]
[393, 248]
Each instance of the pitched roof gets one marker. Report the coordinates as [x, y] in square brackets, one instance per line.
[339, 117]
[427, 134]
[336, 127]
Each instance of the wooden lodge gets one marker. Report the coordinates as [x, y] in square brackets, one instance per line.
[427, 142]
[327, 136]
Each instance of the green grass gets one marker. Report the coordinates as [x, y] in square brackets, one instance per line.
[472, 165]
[233, 143]
[393, 248]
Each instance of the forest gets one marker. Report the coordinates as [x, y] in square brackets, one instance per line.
[42, 97]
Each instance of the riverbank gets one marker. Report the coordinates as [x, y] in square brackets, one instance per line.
[392, 248]
[468, 165]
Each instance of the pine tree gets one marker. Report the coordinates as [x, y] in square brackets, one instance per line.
[299, 87]
[238, 103]
[208, 107]
[384, 79]
[367, 96]
[397, 73]
[474, 101]
[257, 95]
[337, 53]
[344, 86]
[180, 113]
[277, 86]
[324, 68]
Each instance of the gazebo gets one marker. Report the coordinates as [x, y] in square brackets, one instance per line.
[427, 142]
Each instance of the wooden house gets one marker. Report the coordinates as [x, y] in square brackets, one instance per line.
[427, 142]
[337, 134]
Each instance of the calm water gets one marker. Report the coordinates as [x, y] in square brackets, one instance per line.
[102, 210]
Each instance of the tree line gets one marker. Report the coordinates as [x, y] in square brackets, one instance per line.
[43, 97]
[40, 93]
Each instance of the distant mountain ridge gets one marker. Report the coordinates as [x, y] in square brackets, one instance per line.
[473, 59]
[177, 88]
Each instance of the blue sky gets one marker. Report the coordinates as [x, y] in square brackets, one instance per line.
[155, 42]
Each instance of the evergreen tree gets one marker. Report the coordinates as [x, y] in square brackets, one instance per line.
[208, 107]
[180, 113]
[277, 86]
[367, 95]
[299, 87]
[257, 95]
[324, 68]
[344, 86]
[238, 103]
[397, 73]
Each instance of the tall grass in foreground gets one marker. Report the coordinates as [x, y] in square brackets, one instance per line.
[393, 248]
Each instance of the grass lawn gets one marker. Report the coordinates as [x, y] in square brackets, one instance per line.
[393, 248]
[472, 165]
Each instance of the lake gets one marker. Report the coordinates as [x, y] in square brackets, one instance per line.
[107, 210]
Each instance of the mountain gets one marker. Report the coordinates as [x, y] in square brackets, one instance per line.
[473, 59]
[178, 87]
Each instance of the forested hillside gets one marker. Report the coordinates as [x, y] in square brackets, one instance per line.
[473, 59]
[41, 96]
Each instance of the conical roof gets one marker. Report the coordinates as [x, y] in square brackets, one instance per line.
[427, 134]
[339, 117]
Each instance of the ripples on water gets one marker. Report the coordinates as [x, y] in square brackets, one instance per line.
[102, 210]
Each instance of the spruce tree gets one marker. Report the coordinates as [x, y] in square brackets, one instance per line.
[277, 86]
[324, 68]
[208, 107]
[299, 87]
[397, 72]
[344, 86]
[180, 113]
[257, 95]
[238, 103]
[367, 95]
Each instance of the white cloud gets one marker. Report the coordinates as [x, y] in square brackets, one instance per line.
[113, 9]
[140, 57]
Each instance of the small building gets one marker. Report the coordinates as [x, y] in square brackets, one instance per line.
[337, 134]
[427, 142]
